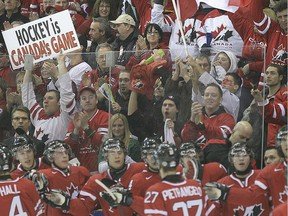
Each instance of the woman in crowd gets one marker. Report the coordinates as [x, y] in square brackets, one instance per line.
[119, 128]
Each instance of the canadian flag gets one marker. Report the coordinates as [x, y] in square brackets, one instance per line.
[189, 7]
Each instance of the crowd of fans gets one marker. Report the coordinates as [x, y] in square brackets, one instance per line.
[211, 87]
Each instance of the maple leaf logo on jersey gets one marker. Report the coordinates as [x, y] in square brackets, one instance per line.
[280, 54]
[221, 33]
[283, 195]
[73, 191]
[254, 210]
[188, 34]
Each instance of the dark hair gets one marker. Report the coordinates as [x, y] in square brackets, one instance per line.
[103, 26]
[21, 109]
[96, 6]
[149, 27]
[216, 86]
[280, 6]
[237, 79]
[57, 93]
[281, 71]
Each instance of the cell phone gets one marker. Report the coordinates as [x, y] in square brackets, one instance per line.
[28, 63]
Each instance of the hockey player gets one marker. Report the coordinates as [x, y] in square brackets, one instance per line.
[271, 181]
[190, 158]
[61, 175]
[173, 195]
[24, 151]
[240, 157]
[140, 182]
[17, 196]
[91, 194]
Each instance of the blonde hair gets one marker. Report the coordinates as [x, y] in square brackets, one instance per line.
[127, 133]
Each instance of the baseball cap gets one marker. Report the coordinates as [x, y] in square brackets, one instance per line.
[89, 88]
[124, 18]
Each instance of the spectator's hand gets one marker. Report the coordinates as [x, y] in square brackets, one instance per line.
[141, 43]
[257, 95]
[33, 16]
[196, 112]
[116, 107]
[51, 69]
[9, 97]
[246, 69]
[38, 80]
[86, 81]
[7, 25]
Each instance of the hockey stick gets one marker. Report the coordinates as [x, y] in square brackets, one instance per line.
[105, 188]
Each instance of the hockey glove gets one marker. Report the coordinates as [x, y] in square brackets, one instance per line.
[216, 191]
[40, 181]
[57, 199]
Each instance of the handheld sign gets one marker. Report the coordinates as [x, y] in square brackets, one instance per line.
[43, 38]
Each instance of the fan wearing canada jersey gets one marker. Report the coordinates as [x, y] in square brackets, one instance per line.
[243, 176]
[174, 195]
[18, 196]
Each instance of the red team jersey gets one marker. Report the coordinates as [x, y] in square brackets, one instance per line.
[19, 197]
[90, 194]
[271, 180]
[87, 148]
[19, 172]
[70, 183]
[212, 172]
[173, 199]
[138, 185]
[259, 206]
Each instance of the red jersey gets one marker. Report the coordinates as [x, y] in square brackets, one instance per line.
[281, 210]
[218, 127]
[19, 197]
[212, 172]
[70, 183]
[181, 198]
[138, 185]
[275, 37]
[271, 180]
[257, 206]
[19, 172]
[90, 194]
[86, 148]
[281, 97]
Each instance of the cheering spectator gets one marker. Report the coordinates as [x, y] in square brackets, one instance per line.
[275, 77]
[51, 121]
[87, 129]
[209, 124]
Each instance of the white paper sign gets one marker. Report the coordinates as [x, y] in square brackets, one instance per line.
[43, 38]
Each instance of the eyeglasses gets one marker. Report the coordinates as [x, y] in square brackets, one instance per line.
[22, 118]
[153, 33]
